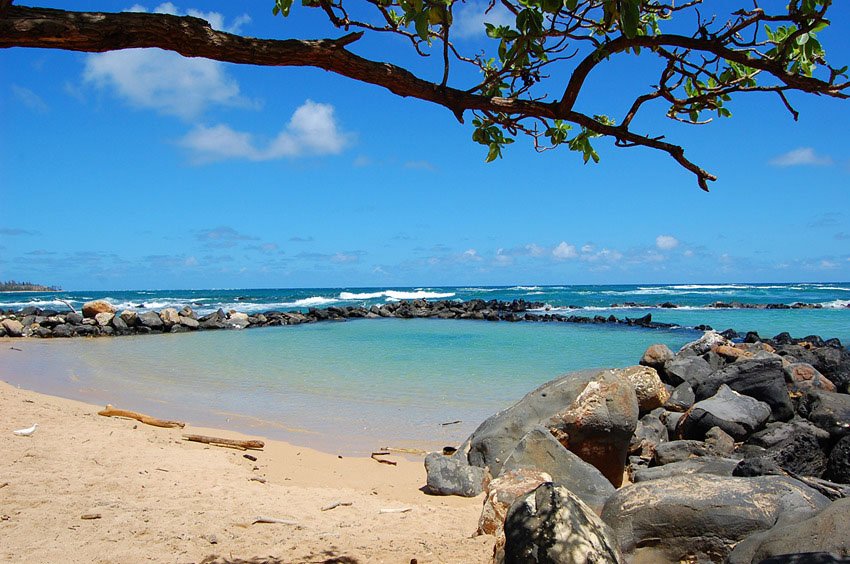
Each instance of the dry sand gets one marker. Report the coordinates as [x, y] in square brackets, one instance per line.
[162, 499]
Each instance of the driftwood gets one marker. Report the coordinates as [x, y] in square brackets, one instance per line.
[398, 510]
[229, 443]
[375, 456]
[4, 484]
[67, 304]
[90, 516]
[336, 504]
[110, 411]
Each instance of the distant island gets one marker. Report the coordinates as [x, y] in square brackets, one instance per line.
[13, 286]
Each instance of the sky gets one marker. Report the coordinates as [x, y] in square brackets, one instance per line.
[140, 169]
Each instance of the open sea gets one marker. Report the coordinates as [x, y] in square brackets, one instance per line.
[351, 387]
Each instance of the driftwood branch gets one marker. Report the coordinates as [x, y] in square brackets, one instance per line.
[375, 455]
[110, 411]
[229, 443]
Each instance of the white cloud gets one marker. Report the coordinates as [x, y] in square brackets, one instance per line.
[666, 242]
[503, 258]
[804, 156]
[564, 251]
[312, 130]
[29, 99]
[163, 81]
[469, 18]
[535, 250]
[605, 255]
[587, 248]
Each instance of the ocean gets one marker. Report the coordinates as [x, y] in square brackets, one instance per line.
[352, 387]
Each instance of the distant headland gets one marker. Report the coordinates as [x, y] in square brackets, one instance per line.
[13, 286]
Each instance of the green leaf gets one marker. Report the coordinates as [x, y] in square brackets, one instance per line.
[802, 38]
[495, 151]
[630, 17]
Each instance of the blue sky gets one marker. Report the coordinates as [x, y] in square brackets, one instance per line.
[140, 169]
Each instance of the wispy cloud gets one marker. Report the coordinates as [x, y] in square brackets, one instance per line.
[297, 239]
[222, 237]
[803, 156]
[312, 130]
[215, 19]
[30, 99]
[15, 232]
[420, 165]
[666, 242]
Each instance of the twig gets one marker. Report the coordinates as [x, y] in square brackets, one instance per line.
[15, 349]
[274, 521]
[90, 516]
[256, 479]
[396, 510]
[336, 504]
[451, 423]
[375, 456]
[67, 304]
[4, 484]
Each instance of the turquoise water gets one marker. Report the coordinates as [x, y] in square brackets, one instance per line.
[341, 387]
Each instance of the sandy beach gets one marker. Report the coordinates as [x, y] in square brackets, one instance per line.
[87, 488]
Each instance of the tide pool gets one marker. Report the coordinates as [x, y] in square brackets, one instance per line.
[346, 388]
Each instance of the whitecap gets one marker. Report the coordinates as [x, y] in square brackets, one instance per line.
[363, 296]
[836, 304]
[395, 295]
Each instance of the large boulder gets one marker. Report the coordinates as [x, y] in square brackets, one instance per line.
[760, 378]
[690, 369]
[13, 327]
[800, 454]
[169, 316]
[130, 317]
[681, 398]
[104, 319]
[501, 492]
[494, 440]
[736, 414]
[827, 410]
[150, 319]
[826, 532]
[802, 376]
[656, 356]
[452, 476]
[599, 424]
[238, 320]
[90, 309]
[703, 516]
[550, 525]
[649, 388]
[538, 450]
[702, 465]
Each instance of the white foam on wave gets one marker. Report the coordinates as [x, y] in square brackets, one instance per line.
[524, 288]
[836, 304]
[33, 303]
[480, 289]
[833, 288]
[363, 296]
[535, 293]
[395, 295]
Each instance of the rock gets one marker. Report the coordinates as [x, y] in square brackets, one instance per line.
[649, 433]
[186, 311]
[451, 476]
[119, 324]
[827, 410]
[63, 330]
[719, 442]
[681, 398]
[690, 369]
[238, 320]
[671, 421]
[736, 414]
[189, 322]
[801, 376]
[800, 453]
[759, 378]
[599, 424]
[169, 316]
[501, 492]
[825, 532]
[552, 526]
[73, 318]
[90, 309]
[677, 451]
[779, 431]
[702, 465]
[838, 464]
[702, 516]
[130, 317]
[13, 327]
[731, 353]
[656, 356]
[104, 319]
[708, 341]
[649, 389]
[538, 450]
[150, 319]
[495, 439]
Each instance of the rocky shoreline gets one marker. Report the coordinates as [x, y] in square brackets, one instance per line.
[724, 451]
[99, 318]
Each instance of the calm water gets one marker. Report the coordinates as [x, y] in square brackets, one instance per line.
[355, 386]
